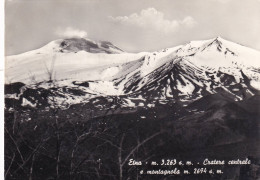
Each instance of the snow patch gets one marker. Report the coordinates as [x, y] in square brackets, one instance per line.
[26, 102]
[255, 84]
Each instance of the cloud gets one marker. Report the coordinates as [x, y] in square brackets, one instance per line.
[152, 19]
[70, 32]
[188, 21]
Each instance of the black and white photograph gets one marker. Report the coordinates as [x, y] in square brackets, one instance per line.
[131, 90]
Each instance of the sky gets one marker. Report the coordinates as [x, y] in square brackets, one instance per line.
[132, 25]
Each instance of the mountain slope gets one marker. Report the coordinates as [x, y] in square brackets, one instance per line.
[183, 73]
[65, 59]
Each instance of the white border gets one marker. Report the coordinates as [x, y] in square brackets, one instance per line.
[2, 20]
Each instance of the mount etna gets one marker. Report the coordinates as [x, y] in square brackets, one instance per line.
[80, 109]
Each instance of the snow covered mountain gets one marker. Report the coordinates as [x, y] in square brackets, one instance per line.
[82, 71]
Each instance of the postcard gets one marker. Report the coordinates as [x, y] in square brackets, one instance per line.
[132, 90]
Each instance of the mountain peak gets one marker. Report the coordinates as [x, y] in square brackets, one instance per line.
[219, 38]
[83, 44]
[221, 45]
